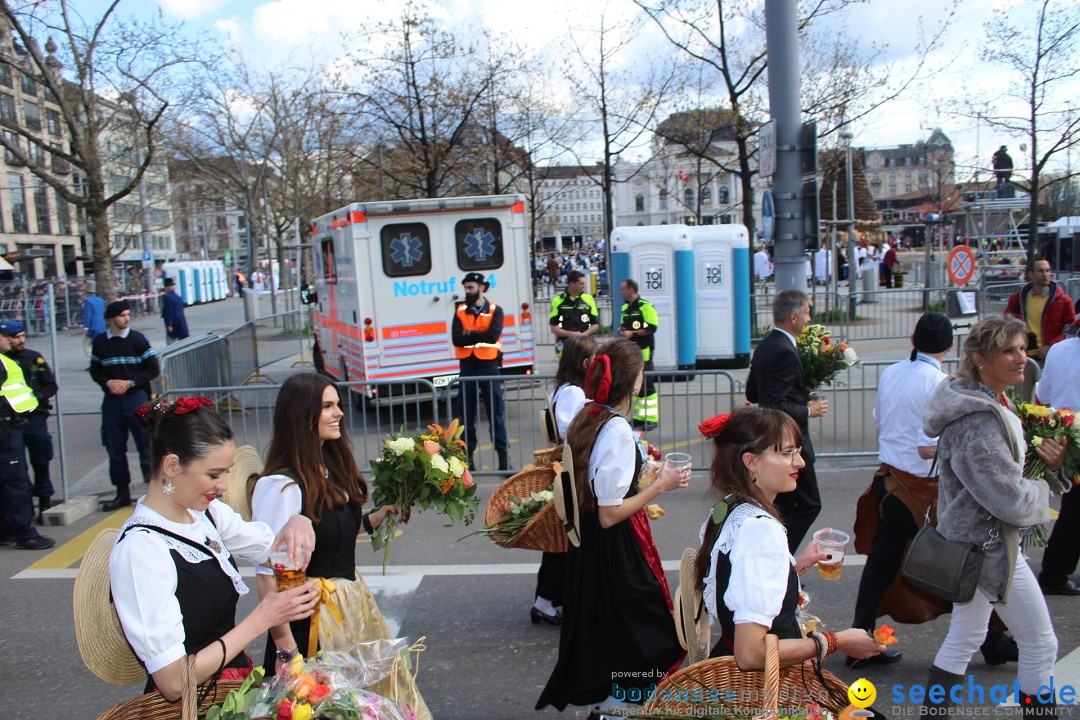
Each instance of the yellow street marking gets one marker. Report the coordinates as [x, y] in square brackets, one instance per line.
[1053, 514]
[72, 551]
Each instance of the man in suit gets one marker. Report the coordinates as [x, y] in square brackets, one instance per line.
[172, 312]
[776, 381]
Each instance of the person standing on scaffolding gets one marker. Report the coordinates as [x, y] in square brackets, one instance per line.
[1003, 165]
[638, 325]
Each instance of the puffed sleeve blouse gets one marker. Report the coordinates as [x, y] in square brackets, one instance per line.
[611, 465]
[143, 573]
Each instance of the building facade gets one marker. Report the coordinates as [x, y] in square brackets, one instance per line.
[921, 167]
[209, 225]
[570, 203]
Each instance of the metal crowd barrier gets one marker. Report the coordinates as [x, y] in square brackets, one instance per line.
[195, 360]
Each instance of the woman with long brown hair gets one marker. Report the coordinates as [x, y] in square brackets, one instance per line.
[745, 571]
[310, 470]
[617, 625]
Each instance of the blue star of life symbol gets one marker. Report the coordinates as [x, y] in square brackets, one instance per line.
[405, 250]
[479, 244]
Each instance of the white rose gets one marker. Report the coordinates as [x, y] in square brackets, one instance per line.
[439, 463]
[546, 496]
[401, 445]
[457, 468]
[850, 357]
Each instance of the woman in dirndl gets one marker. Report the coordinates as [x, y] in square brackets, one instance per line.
[173, 572]
[618, 634]
[310, 470]
[565, 401]
[747, 575]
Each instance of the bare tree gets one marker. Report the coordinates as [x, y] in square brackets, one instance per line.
[112, 81]
[1037, 45]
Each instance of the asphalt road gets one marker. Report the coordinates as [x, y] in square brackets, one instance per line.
[470, 598]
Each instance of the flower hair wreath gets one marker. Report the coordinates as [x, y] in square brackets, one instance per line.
[180, 406]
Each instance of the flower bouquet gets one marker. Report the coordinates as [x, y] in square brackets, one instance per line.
[519, 512]
[821, 359]
[1039, 422]
[329, 686]
[429, 470]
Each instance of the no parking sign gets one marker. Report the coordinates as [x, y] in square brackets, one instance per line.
[960, 264]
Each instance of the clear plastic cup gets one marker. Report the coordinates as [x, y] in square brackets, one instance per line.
[286, 572]
[677, 460]
[833, 542]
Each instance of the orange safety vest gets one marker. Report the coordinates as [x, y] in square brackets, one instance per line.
[477, 322]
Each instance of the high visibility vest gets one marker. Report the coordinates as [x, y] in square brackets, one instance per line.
[477, 322]
[18, 393]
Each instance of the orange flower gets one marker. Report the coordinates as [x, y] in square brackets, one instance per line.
[318, 693]
[448, 484]
[884, 635]
[304, 685]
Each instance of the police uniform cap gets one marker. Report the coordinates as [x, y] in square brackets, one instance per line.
[11, 328]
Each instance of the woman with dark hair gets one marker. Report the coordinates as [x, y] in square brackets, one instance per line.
[310, 470]
[747, 576]
[565, 401]
[617, 628]
[173, 571]
[984, 499]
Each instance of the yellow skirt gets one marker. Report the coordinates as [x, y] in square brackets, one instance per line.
[362, 622]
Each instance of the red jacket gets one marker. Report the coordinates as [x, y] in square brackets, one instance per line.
[1057, 313]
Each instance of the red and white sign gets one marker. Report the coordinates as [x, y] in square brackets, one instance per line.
[961, 264]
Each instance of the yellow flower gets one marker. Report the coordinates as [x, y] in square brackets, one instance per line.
[296, 664]
[301, 711]
[1038, 410]
[1036, 441]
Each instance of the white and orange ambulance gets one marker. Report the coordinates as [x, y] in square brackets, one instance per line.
[388, 280]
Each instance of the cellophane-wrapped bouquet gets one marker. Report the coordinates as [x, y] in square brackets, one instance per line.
[329, 686]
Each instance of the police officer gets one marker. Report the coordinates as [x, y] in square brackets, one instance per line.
[573, 312]
[475, 333]
[16, 400]
[39, 376]
[638, 325]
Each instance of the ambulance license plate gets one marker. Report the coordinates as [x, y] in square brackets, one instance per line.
[442, 380]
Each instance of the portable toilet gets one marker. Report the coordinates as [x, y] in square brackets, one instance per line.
[179, 272]
[222, 281]
[653, 255]
[721, 284]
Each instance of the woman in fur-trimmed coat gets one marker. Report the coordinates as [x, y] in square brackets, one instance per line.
[983, 498]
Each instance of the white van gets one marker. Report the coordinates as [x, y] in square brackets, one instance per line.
[388, 278]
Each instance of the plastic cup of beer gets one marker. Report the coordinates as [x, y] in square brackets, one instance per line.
[677, 460]
[286, 572]
[834, 543]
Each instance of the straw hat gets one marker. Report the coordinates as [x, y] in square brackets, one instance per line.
[566, 500]
[246, 463]
[102, 644]
[691, 619]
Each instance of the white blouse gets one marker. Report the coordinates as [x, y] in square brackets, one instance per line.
[567, 400]
[760, 563]
[611, 465]
[276, 499]
[143, 575]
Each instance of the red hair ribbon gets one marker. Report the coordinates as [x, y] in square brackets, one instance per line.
[714, 425]
[603, 385]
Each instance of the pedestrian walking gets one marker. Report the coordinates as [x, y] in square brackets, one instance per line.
[984, 499]
[1059, 387]
[93, 311]
[776, 380]
[172, 312]
[638, 325]
[42, 381]
[16, 508]
[123, 364]
[475, 333]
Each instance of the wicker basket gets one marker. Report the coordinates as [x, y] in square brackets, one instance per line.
[723, 685]
[545, 531]
[545, 457]
[153, 706]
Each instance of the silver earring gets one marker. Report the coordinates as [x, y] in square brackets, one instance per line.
[169, 488]
[753, 479]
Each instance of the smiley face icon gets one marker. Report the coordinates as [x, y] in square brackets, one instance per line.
[862, 693]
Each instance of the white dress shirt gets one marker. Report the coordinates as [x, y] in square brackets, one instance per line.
[904, 389]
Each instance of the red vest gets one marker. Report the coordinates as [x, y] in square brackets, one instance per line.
[477, 322]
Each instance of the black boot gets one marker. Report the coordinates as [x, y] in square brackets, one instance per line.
[44, 503]
[504, 460]
[122, 499]
[937, 676]
[999, 648]
[1035, 708]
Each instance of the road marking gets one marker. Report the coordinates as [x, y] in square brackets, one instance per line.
[372, 574]
[72, 551]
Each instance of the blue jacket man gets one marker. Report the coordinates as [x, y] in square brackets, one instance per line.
[93, 311]
[172, 311]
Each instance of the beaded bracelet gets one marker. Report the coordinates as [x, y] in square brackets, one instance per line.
[830, 637]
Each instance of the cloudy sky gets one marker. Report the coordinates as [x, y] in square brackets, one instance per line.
[271, 31]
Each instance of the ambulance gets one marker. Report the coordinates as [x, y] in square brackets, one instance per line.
[388, 280]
